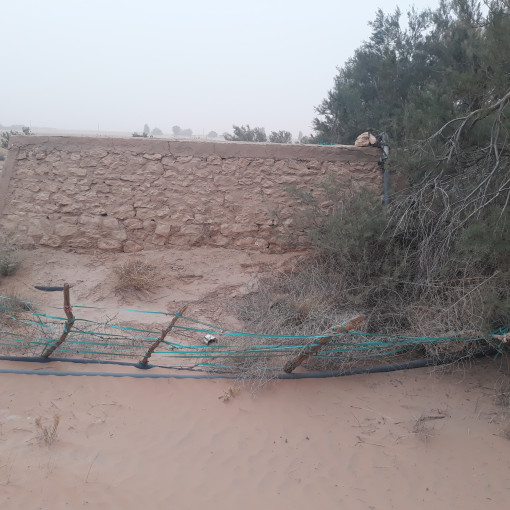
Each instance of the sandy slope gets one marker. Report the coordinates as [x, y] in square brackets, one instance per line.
[206, 279]
[332, 443]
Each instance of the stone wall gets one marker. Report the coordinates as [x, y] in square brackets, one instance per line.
[133, 194]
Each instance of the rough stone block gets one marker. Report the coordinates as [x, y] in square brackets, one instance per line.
[98, 153]
[83, 243]
[123, 212]
[144, 213]
[153, 157]
[162, 229]
[88, 162]
[192, 230]
[39, 226]
[131, 177]
[64, 230]
[159, 240]
[109, 244]
[119, 235]
[225, 181]
[79, 172]
[51, 240]
[132, 247]
[214, 160]
[132, 224]
[168, 160]
[42, 196]
[110, 223]
[91, 221]
[152, 170]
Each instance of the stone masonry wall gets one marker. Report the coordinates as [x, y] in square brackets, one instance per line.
[130, 195]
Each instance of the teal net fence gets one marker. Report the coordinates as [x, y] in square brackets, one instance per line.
[27, 331]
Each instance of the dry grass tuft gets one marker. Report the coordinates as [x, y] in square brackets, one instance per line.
[228, 394]
[502, 397]
[9, 261]
[422, 430]
[505, 433]
[48, 433]
[135, 274]
[12, 306]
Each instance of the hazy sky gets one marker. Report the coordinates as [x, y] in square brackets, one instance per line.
[199, 64]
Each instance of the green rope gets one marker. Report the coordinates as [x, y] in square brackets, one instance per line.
[339, 346]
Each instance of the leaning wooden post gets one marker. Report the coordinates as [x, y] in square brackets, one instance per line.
[68, 325]
[344, 327]
[164, 332]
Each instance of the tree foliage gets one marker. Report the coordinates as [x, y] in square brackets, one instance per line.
[178, 131]
[441, 88]
[280, 137]
[410, 80]
[246, 134]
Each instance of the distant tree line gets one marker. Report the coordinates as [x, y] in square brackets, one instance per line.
[240, 134]
[6, 135]
[257, 134]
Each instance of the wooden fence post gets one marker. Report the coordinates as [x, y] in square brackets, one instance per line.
[164, 332]
[68, 325]
[308, 351]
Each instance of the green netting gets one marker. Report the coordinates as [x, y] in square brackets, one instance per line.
[27, 330]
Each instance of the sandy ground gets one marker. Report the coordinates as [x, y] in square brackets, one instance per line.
[416, 439]
[354, 442]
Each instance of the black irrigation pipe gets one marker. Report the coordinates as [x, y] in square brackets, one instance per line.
[419, 363]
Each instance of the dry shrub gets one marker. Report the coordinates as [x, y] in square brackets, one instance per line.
[16, 315]
[454, 309]
[135, 274]
[9, 261]
[48, 433]
[302, 302]
[407, 271]
[316, 296]
[12, 305]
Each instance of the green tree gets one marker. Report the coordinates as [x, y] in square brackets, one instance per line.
[246, 134]
[441, 89]
[410, 81]
[280, 137]
[372, 87]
